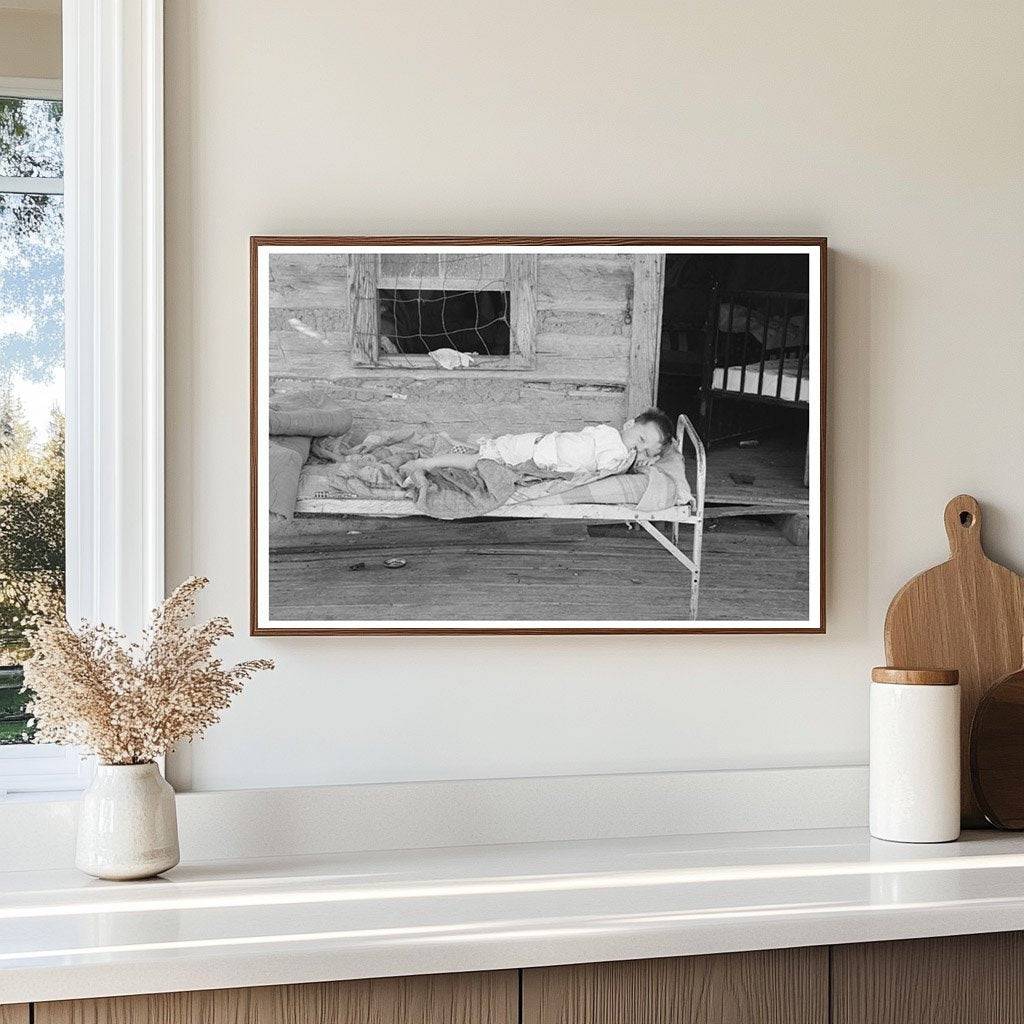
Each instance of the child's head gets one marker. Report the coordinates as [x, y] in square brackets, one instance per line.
[650, 433]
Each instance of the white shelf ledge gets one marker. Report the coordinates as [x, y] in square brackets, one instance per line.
[353, 915]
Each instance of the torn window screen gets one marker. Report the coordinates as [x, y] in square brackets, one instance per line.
[418, 321]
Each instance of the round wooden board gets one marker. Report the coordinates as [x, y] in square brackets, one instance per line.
[997, 752]
[967, 614]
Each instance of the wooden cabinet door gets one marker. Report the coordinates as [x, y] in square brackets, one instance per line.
[960, 979]
[482, 998]
[14, 1013]
[778, 986]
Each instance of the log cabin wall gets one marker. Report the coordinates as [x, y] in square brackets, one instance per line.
[596, 335]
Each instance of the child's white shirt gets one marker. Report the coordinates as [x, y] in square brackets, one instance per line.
[597, 449]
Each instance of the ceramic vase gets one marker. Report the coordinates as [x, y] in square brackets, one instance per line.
[127, 825]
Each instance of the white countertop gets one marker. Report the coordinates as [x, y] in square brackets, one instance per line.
[261, 922]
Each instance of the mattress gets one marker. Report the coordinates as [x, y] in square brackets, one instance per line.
[525, 510]
[622, 496]
[729, 380]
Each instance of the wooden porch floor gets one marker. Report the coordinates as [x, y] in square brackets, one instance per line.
[332, 568]
[770, 476]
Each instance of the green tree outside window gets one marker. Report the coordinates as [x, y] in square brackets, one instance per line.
[32, 555]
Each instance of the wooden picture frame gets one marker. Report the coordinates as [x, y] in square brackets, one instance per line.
[760, 358]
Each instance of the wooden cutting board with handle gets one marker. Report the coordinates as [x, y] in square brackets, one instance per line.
[967, 614]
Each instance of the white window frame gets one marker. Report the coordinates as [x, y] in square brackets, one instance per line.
[32, 88]
[114, 320]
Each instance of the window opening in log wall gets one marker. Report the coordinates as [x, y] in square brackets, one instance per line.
[408, 307]
[419, 321]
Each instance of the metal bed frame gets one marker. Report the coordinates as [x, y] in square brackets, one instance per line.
[724, 348]
[691, 514]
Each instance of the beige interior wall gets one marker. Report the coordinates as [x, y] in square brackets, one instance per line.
[895, 129]
[30, 42]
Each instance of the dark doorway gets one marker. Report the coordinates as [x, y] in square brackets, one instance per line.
[736, 358]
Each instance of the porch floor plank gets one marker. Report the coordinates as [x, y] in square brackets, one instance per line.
[777, 469]
[529, 569]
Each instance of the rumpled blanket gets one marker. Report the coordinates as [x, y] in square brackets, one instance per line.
[370, 469]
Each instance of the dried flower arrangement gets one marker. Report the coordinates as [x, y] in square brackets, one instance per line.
[129, 703]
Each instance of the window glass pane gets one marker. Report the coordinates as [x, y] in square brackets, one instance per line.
[14, 727]
[31, 138]
[31, 432]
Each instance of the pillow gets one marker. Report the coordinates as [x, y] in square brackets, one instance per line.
[300, 445]
[671, 463]
[621, 489]
[310, 422]
[285, 465]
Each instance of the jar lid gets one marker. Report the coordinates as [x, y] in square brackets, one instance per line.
[916, 676]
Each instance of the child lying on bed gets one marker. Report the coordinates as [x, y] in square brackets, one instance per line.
[600, 450]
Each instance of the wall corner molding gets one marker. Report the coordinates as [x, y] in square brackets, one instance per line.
[114, 308]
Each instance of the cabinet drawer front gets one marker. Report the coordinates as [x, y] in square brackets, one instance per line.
[960, 979]
[778, 986]
[490, 998]
[14, 1013]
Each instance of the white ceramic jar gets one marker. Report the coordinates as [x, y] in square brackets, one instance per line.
[127, 824]
[915, 755]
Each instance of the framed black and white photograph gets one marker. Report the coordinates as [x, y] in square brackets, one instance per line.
[537, 435]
